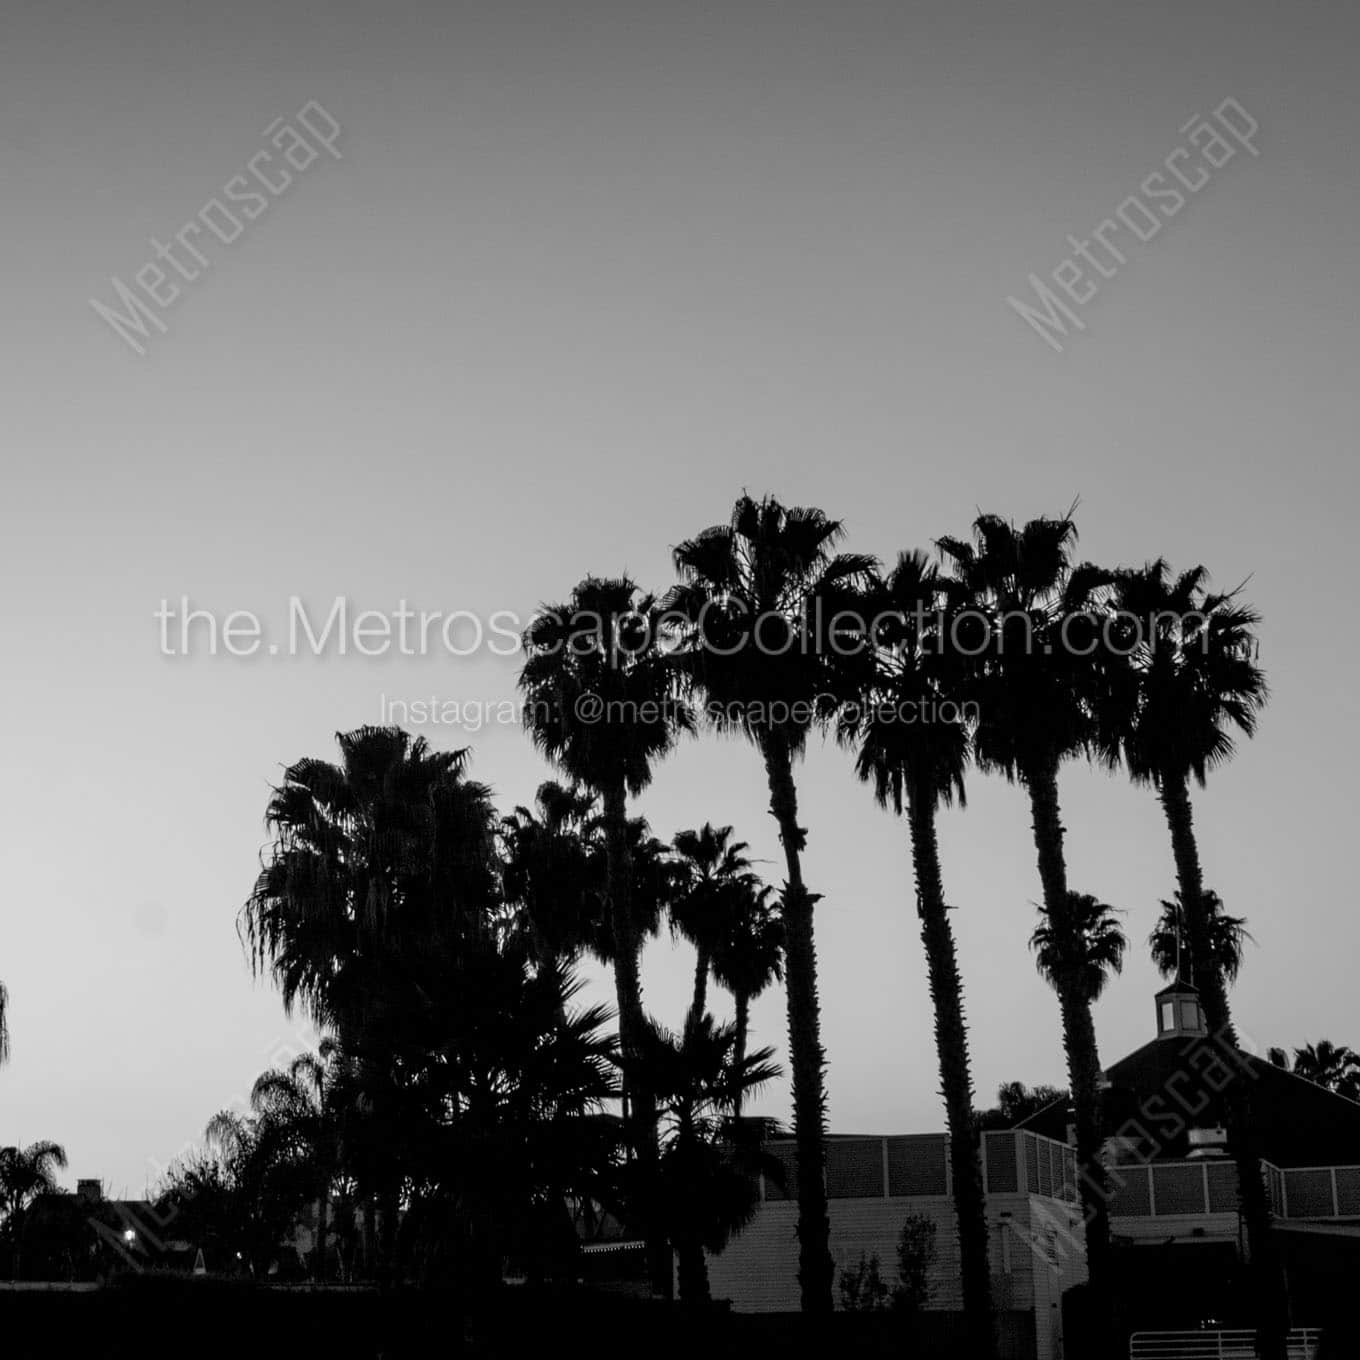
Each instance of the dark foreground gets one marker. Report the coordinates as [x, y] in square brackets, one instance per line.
[206, 1319]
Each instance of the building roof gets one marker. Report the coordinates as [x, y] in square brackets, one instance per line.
[1160, 1091]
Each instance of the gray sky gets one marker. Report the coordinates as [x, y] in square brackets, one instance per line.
[582, 273]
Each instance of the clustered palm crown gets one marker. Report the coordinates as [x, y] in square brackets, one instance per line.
[1188, 676]
[1031, 621]
[908, 671]
[1083, 951]
[759, 595]
[600, 693]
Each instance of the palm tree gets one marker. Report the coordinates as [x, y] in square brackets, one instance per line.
[709, 1159]
[380, 872]
[600, 703]
[1084, 965]
[296, 1104]
[1189, 680]
[713, 872]
[1015, 1102]
[1029, 621]
[917, 767]
[1333, 1066]
[752, 592]
[549, 872]
[26, 1173]
[393, 836]
[748, 958]
[1228, 936]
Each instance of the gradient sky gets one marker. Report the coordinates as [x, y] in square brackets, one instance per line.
[584, 272]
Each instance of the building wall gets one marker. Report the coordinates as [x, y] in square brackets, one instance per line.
[1036, 1242]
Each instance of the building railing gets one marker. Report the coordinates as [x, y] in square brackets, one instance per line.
[1302, 1344]
[1018, 1162]
[1209, 1186]
[1015, 1161]
[1302, 1192]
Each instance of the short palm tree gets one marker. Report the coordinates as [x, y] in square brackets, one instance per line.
[25, 1173]
[1189, 680]
[915, 767]
[549, 873]
[747, 958]
[600, 703]
[1228, 937]
[751, 591]
[297, 1104]
[709, 1160]
[1327, 1064]
[1028, 617]
[712, 872]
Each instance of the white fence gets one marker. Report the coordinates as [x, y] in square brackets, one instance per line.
[1201, 1345]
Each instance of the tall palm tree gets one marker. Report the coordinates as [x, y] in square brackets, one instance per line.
[748, 958]
[1189, 680]
[751, 591]
[1029, 621]
[1228, 936]
[25, 1173]
[916, 767]
[713, 872]
[600, 703]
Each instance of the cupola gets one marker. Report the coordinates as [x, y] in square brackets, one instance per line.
[1179, 1014]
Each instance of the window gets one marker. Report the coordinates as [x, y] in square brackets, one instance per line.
[1189, 1015]
[1168, 1015]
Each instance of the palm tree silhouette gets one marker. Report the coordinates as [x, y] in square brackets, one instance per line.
[1228, 936]
[25, 1173]
[550, 874]
[713, 872]
[378, 866]
[1327, 1064]
[750, 591]
[1188, 679]
[600, 703]
[1081, 962]
[747, 958]
[1029, 621]
[709, 1159]
[298, 1102]
[916, 767]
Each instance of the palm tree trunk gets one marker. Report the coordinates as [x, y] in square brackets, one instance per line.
[699, 1004]
[641, 1104]
[322, 1206]
[692, 1269]
[370, 1236]
[1079, 1044]
[956, 1083]
[806, 1056]
[1273, 1318]
[743, 1006]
